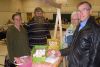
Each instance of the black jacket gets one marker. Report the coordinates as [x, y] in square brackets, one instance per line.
[97, 58]
[84, 46]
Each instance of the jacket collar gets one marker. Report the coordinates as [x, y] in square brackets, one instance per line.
[89, 23]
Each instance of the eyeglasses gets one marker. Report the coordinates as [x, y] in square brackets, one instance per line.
[84, 9]
[74, 19]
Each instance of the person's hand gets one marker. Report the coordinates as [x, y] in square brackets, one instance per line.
[57, 53]
[49, 53]
[18, 61]
[54, 52]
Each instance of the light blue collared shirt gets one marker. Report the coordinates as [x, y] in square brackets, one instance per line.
[82, 24]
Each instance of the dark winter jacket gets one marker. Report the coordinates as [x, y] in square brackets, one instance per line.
[83, 50]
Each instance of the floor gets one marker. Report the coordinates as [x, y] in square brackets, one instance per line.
[3, 52]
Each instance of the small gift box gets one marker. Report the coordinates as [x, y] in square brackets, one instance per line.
[39, 53]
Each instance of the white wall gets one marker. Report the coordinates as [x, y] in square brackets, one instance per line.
[7, 8]
[4, 5]
[95, 6]
[30, 5]
[16, 5]
[4, 11]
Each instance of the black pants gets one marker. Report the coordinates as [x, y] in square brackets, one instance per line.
[8, 63]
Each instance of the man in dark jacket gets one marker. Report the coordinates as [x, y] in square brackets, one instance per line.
[85, 40]
[38, 29]
[97, 58]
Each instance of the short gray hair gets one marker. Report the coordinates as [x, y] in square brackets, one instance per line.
[74, 13]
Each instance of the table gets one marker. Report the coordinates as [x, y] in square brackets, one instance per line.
[2, 35]
[45, 64]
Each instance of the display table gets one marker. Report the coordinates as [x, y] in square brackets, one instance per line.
[45, 64]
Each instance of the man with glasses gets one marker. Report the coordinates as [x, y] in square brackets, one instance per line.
[86, 38]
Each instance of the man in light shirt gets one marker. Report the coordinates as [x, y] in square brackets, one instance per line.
[86, 39]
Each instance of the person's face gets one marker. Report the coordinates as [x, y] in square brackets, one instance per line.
[85, 11]
[39, 14]
[17, 20]
[75, 19]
